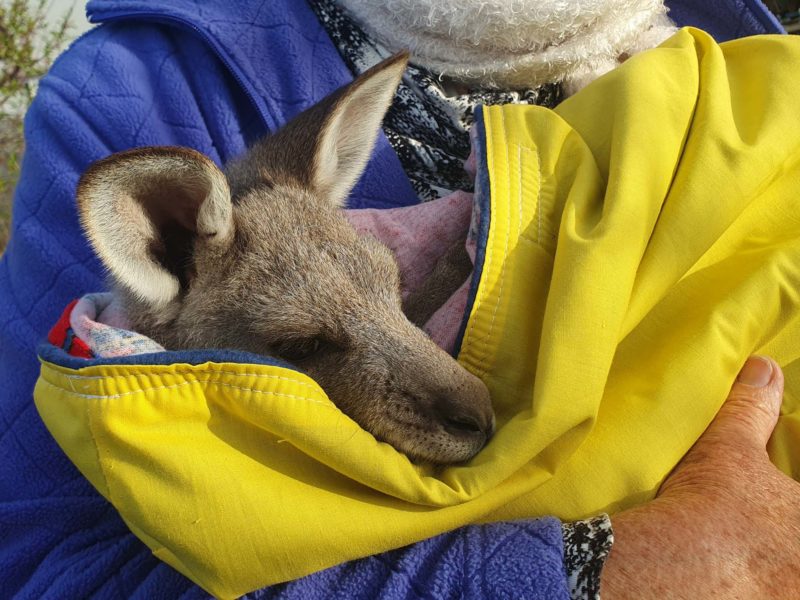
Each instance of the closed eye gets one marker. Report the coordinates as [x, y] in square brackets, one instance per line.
[298, 350]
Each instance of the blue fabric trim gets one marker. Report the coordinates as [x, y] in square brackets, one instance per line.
[765, 17]
[725, 19]
[68, 340]
[58, 356]
[482, 198]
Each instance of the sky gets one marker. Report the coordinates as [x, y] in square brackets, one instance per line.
[79, 22]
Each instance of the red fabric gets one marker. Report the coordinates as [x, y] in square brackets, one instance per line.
[61, 335]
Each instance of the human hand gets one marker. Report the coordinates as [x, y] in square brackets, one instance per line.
[726, 522]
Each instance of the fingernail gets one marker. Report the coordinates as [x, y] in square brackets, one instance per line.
[756, 372]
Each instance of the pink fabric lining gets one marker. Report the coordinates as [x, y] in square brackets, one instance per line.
[101, 323]
[419, 236]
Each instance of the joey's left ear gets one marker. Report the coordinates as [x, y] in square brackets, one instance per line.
[350, 129]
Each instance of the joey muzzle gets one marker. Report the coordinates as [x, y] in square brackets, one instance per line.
[453, 405]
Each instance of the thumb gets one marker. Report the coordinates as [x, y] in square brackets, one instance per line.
[751, 411]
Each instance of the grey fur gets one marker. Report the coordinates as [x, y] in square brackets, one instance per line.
[261, 259]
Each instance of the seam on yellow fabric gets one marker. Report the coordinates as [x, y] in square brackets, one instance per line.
[197, 382]
[96, 447]
[487, 262]
[485, 354]
[520, 200]
[519, 186]
[234, 373]
[530, 160]
[532, 151]
[327, 404]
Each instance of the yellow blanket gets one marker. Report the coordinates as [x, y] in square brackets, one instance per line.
[644, 240]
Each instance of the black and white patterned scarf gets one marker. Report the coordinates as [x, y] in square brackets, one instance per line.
[427, 127]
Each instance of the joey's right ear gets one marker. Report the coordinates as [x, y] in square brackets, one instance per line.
[145, 209]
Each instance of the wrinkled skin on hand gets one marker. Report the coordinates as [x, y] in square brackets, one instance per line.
[726, 522]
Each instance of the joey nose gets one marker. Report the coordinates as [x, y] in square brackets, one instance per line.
[465, 419]
[462, 424]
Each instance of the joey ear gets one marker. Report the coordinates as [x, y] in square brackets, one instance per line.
[144, 209]
[350, 129]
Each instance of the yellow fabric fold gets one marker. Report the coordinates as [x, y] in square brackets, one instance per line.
[644, 240]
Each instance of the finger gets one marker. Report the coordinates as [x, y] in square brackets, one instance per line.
[751, 410]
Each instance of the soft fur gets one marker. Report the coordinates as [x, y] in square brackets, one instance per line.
[262, 259]
[516, 43]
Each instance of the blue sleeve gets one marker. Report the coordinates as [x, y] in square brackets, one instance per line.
[725, 19]
[522, 559]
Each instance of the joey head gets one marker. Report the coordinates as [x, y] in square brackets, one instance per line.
[260, 258]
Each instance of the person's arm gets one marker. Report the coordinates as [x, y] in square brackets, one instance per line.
[726, 523]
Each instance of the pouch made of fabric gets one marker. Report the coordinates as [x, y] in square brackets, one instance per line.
[635, 246]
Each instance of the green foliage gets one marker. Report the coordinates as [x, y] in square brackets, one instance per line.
[29, 42]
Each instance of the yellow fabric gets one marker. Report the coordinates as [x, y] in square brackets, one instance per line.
[644, 240]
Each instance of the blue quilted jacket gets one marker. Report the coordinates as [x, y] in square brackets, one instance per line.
[213, 76]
